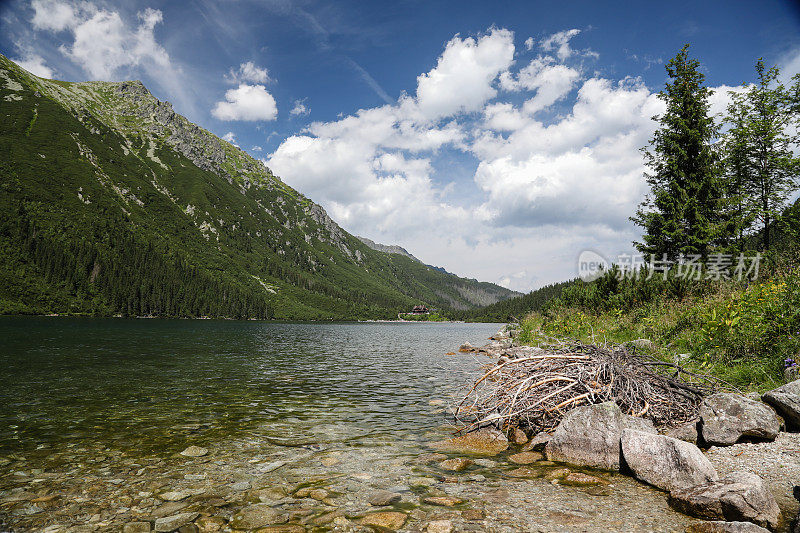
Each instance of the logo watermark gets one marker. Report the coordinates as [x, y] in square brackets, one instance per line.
[592, 265]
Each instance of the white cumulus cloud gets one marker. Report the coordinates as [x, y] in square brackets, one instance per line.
[551, 82]
[582, 169]
[102, 42]
[246, 102]
[463, 79]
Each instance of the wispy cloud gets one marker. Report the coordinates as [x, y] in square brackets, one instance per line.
[309, 23]
[248, 72]
[223, 25]
[369, 80]
[300, 108]
[646, 59]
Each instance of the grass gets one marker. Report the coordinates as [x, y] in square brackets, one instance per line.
[741, 333]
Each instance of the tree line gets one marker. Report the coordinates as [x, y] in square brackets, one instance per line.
[719, 184]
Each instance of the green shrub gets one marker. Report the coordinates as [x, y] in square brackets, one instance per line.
[741, 332]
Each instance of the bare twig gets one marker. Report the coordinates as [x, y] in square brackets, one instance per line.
[535, 392]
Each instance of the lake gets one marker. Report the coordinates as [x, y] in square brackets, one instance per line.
[95, 411]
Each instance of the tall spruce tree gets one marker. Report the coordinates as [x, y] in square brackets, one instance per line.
[683, 213]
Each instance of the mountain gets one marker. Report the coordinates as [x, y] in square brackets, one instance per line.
[387, 248]
[112, 203]
[517, 307]
[482, 294]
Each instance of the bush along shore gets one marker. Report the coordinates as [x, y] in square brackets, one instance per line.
[618, 408]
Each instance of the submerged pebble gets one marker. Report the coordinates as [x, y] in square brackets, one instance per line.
[194, 451]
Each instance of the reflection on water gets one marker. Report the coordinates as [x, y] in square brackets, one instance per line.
[135, 383]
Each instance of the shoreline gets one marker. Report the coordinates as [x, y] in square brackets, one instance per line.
[774, 458]
[270, 320]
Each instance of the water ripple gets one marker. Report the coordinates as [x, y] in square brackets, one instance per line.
[147, 383]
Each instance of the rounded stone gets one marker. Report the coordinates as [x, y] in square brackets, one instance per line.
[458, 464]
[194, 451]
[387, 519]
[384, 497]
[439, 526]
[525, 458]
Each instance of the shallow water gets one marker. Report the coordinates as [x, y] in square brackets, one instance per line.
[94, 412]
[130, 382]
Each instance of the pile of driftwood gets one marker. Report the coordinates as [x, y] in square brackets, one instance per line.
[534, 391]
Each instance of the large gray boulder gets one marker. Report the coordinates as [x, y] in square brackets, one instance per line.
[739, 496]
[727, 417]
[665, 462]
[590, 436]
[786, 400]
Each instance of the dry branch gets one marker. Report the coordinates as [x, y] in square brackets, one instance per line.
[535, 392]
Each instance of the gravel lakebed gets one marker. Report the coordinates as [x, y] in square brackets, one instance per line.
[329, 486]
[323, 487]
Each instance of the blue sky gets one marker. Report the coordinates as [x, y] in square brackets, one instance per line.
[498, 142]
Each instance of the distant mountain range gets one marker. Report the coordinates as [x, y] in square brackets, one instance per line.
[112, 203]
[394, 249]
[387, 248]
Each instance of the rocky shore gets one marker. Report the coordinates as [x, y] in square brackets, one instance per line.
[743, 479]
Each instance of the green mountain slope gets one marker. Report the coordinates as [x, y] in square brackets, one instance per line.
[111, 203]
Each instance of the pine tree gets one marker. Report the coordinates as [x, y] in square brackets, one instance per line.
[736, 158]
[683, 213]
[772, 169]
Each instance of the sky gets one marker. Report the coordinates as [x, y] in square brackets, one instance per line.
[496, 139]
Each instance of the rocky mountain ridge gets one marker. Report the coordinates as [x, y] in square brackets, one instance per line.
[387, 248]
